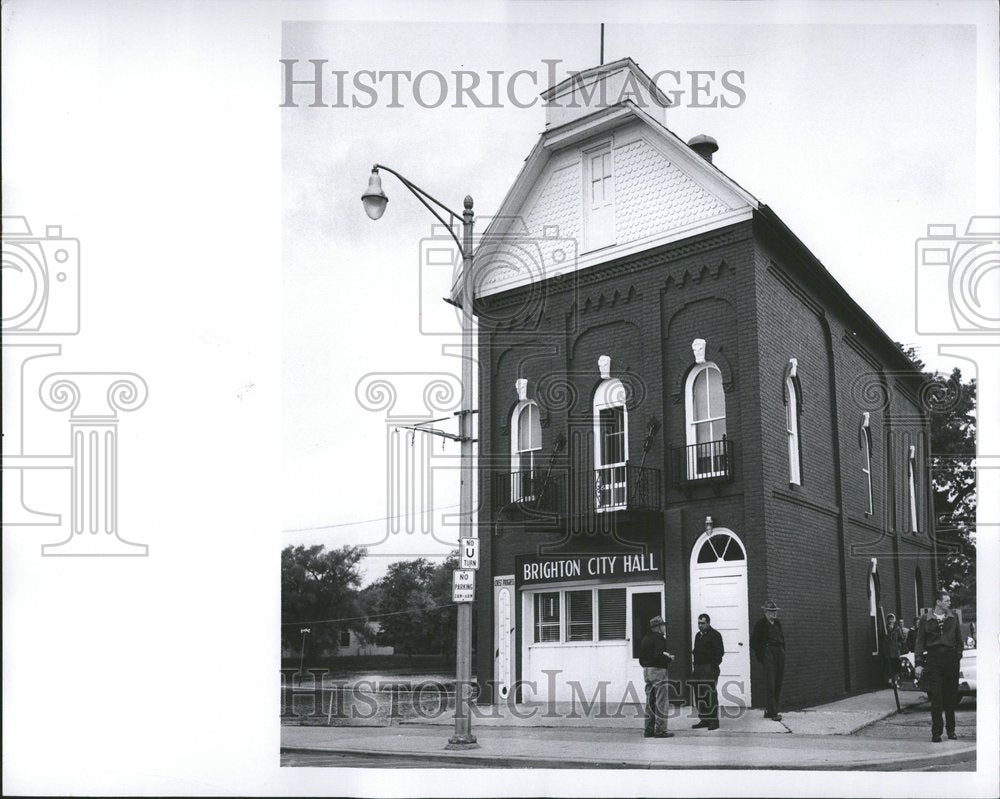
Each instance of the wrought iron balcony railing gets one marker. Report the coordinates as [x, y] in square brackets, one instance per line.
[626, 487]
[711, 460]
[614, 488]
[537, 490]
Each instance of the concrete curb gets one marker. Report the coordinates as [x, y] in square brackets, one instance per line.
[535, 762]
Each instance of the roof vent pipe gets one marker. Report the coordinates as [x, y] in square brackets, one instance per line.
[704, 146]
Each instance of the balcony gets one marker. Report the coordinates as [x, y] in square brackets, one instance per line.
[627, 487]
[708, 461]
[612, 488]
[536, 491]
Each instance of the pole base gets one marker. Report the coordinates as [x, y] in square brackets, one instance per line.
[462, 742]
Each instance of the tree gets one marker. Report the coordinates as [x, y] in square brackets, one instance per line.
[952, 406]
[412, 603]
[315, 586]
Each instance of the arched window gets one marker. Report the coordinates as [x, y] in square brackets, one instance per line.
[792, 425]
[911, 470]
[610, 445]
[705, 408]
[873, 603]
[525, 443]
[866, 461]
[720, 547]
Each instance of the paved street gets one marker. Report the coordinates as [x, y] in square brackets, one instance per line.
[914, 723]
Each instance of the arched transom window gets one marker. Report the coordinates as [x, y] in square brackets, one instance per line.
[720, 547]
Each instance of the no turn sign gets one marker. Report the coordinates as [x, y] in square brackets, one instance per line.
[469, 553]
[463, 585]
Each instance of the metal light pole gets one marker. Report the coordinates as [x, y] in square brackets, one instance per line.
[302, 658]
[375, 201]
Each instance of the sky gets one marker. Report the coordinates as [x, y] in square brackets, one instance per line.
[226, 265]
[857, 134]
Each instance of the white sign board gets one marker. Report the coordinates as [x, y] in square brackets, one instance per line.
[463, 585]
[468, 553]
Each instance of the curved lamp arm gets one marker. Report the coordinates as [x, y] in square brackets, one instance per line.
[423, 196]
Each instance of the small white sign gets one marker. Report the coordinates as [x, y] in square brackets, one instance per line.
[463, 585]
[469, 553]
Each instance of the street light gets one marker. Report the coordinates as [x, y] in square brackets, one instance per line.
[375, 201]
[302, 659]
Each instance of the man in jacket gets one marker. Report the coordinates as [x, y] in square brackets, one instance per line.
[768, 645]
[936, 655]
[654, 659]
[897, 647]
[706, 656]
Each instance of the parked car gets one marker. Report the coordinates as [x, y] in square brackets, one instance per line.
[966, 672]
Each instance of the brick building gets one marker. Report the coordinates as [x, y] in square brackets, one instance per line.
[681, 411]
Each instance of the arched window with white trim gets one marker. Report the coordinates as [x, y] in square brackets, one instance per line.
[705, 408]
[866, 461]
[873, 603]
[792, 409]
[610, 445]
[911, 469]
[525, 445]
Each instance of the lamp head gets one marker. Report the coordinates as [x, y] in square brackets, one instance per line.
[374, 198]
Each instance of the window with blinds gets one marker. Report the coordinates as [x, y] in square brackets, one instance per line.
[611, 614]
[547, 617]
[580, 615]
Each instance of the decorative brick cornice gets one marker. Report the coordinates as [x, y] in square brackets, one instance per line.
[633, 265]
[789, 283]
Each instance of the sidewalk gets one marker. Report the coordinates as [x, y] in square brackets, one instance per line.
[816, 738]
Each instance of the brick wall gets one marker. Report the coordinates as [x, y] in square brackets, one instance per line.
[757, 303]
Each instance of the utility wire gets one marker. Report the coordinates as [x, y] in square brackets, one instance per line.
[371, 615]
[362, 521]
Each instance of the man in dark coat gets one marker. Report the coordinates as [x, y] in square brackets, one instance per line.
[896, 640]
[707, 657]
[768, 645]
[936, 655]
[654, 659]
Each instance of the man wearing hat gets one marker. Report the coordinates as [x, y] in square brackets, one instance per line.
[654, 659]
[768, 644]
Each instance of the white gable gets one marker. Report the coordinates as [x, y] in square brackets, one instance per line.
[598, 189]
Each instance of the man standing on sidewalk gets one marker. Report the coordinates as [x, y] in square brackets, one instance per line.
[896, 646]
[768, 644]
[707, 657]
[936, 654]
[654, 659]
